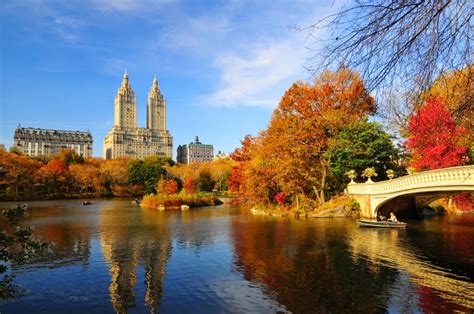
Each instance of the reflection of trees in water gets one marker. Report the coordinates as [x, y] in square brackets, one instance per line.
[308, 267]
[129, 240]
[71, 237]
[450, 243]
[437, 287]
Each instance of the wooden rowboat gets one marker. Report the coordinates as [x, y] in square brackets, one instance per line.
[381, 224]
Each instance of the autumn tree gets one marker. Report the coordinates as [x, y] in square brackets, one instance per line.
[53, 177]
[303, 125]
[253, 178]
[87, 176]
[114, 176]
[171, 187]
[189, 185]
[241, 155]
[69, 156]
[220, 170]
[434, 139]
[457, 89]
[260, 183]
[17, 175]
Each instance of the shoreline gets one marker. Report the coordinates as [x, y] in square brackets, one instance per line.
[336, 212]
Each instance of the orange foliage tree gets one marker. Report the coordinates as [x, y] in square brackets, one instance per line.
[17, 175]
[114, 176]
[291, 155]
[87, 176]
[189, 185]
[171, 187]
[307, 119]
[53, 177]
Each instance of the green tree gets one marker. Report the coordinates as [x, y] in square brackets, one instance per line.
[204, 181]
[147, 172]
[69, 156]
[17, 245]
[361, 145]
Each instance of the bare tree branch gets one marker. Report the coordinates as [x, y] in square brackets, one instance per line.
[403, 43]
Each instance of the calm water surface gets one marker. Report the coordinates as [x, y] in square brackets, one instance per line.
[113, 256]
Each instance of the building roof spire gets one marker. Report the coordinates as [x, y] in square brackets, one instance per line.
[155, 87]
[125, 79]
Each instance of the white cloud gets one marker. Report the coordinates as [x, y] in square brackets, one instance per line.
[260, 77]
[128, 6]
[195, 35]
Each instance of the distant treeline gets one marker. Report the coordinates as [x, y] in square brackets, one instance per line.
[68, 175]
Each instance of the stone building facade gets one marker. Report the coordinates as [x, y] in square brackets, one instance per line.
[125, 139]
[195, 152]
[44, 142]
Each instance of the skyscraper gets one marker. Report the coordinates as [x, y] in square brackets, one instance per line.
[126, 139]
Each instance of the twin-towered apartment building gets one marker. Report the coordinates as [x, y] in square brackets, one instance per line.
[125, 139]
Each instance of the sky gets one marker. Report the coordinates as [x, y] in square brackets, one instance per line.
[222, 66]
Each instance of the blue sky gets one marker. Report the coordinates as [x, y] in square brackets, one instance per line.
[221, 65]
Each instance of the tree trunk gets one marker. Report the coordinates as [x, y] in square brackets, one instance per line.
[316, 191]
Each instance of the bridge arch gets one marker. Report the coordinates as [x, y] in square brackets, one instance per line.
[410, 205]
[428, 184]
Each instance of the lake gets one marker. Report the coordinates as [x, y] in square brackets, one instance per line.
[113, 256]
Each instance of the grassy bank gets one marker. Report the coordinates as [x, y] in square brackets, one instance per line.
[341, 206]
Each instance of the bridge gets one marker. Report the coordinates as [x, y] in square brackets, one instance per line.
[417, 189]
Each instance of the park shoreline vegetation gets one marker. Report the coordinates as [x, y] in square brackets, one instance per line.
[320, 136]
[176, 201]
[68, 176]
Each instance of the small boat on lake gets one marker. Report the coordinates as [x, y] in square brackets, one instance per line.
[87, 203]
[381, 224]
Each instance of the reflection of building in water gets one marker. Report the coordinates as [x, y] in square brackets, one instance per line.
[123, 274]
[386, 248]
[125, 247]
[155, 263]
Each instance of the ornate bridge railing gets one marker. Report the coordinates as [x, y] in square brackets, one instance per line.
[446, 177]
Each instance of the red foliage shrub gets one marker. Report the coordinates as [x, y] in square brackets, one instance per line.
[171, 187]
[464, 201]
[433, 138]
[280, 198]
[189, 185]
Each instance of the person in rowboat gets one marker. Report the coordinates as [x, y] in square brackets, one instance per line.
[392, 218]
[380, 217]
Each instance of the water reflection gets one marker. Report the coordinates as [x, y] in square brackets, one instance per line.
[438, 287]
[333, 266]
[112, 256]
[127, 241]
[69, 230]
[308, 266]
